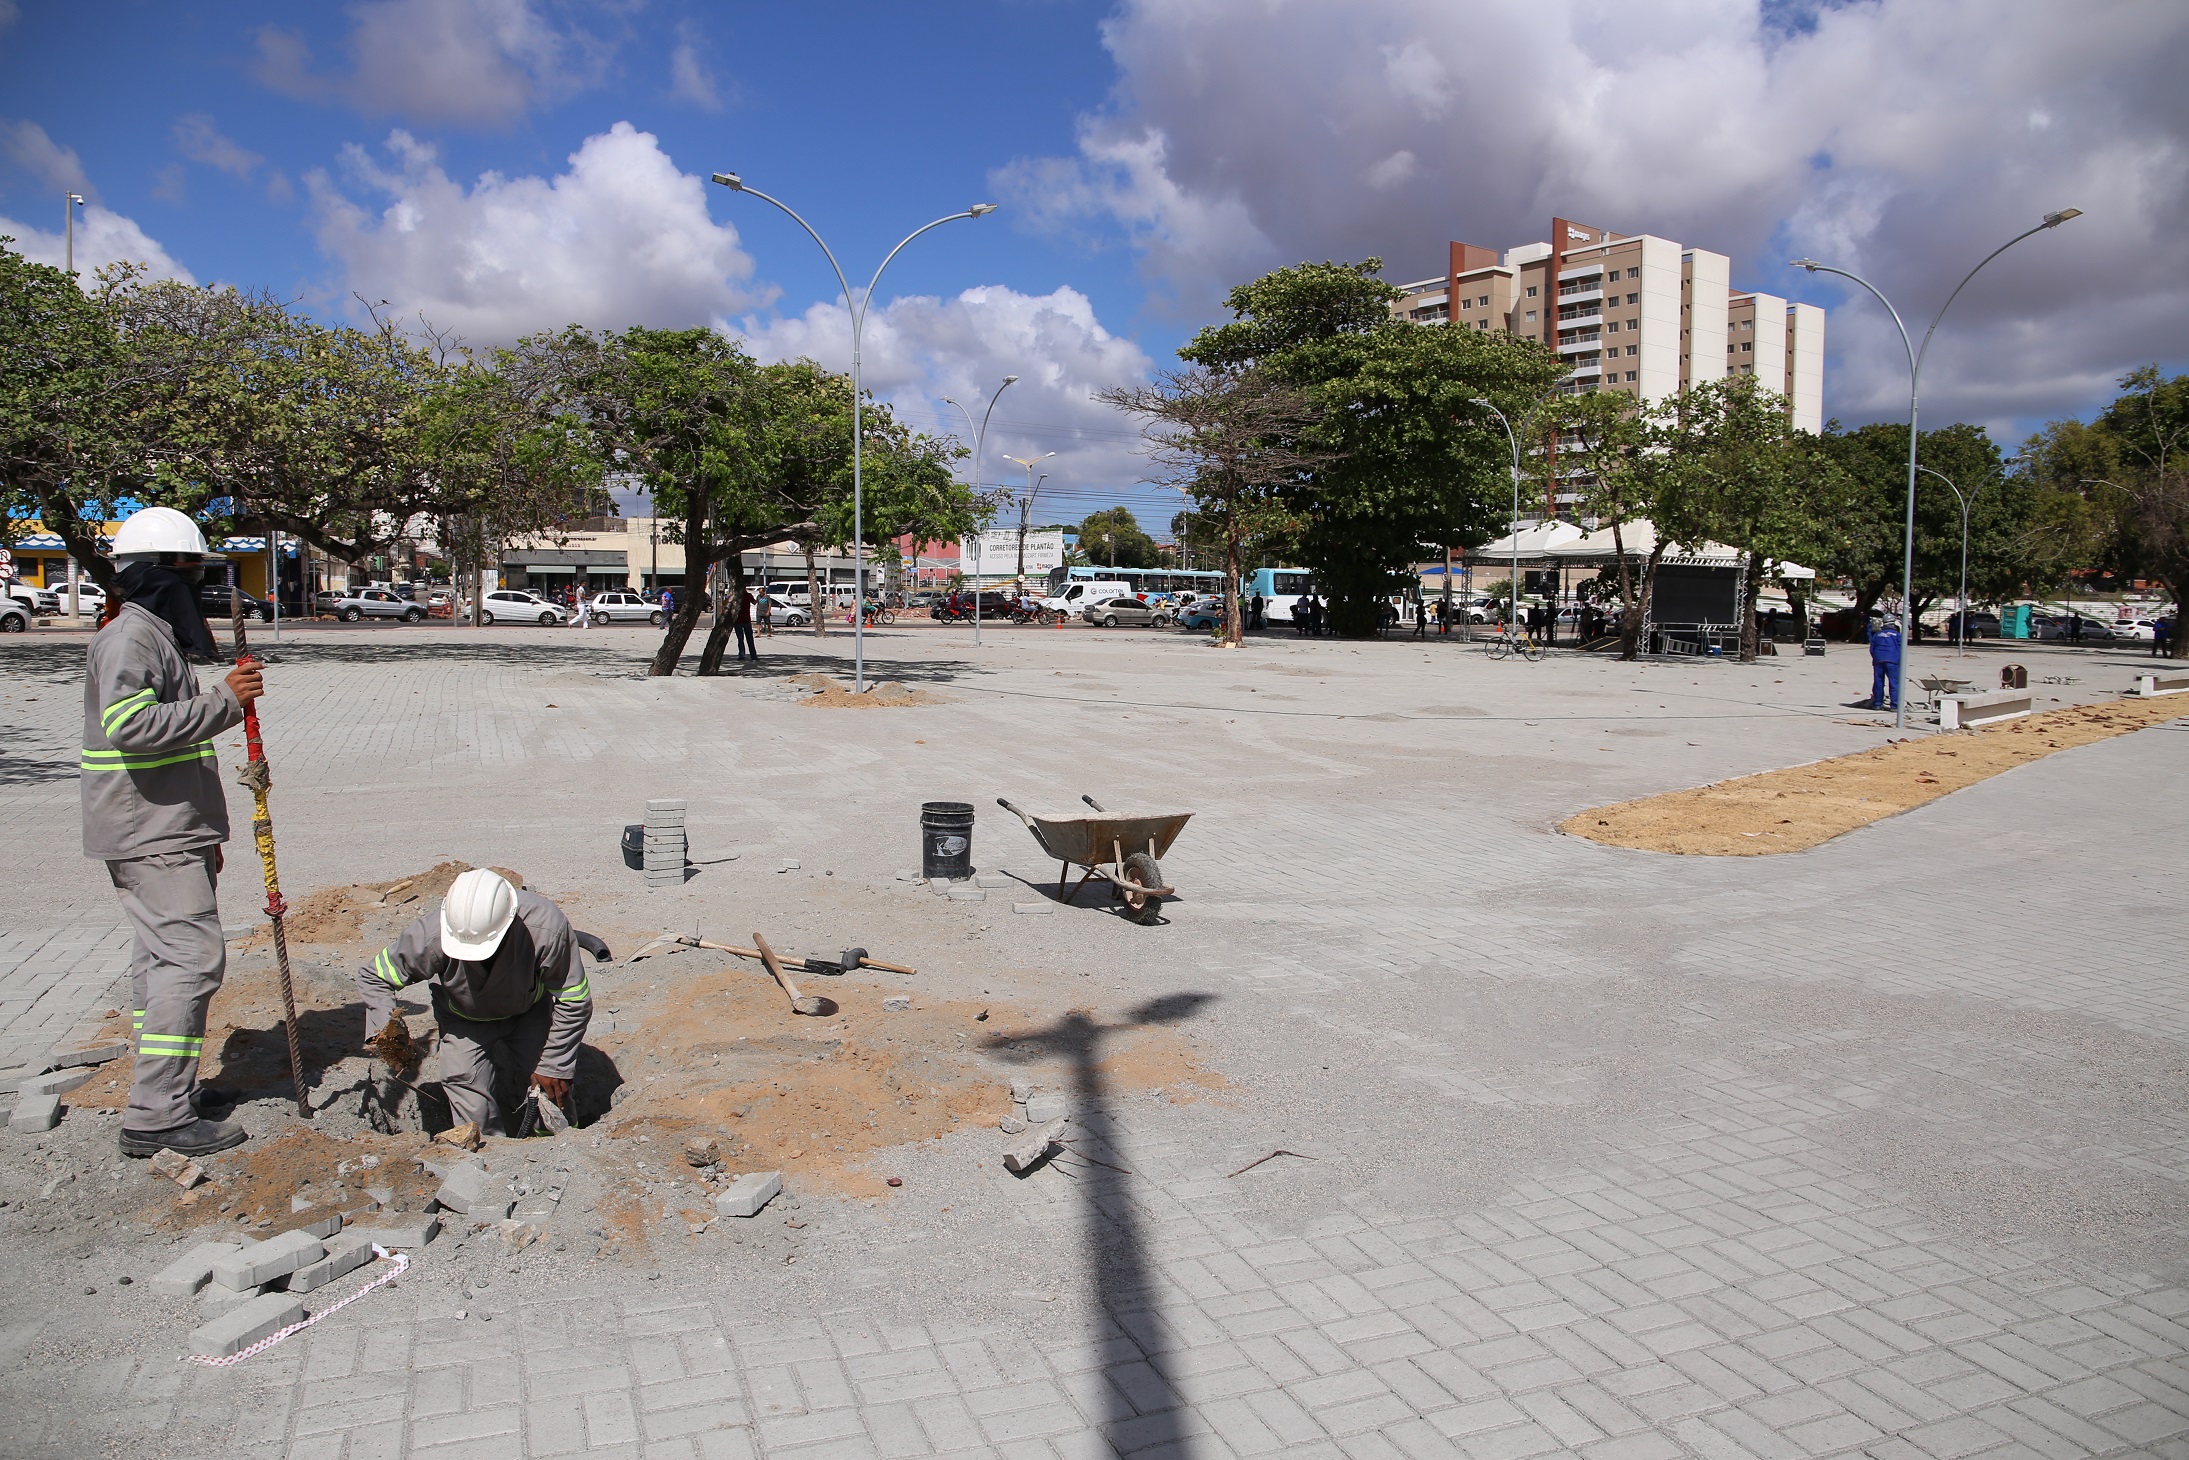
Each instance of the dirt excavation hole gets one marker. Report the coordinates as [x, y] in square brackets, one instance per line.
[700, 1051]
[1803, 806]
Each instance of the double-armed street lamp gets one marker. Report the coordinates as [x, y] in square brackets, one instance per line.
[856, 307]
[70, 202]
[980, 450]
[1026, 506]
[1966, 501]
[1512, 589]
[1915, 374]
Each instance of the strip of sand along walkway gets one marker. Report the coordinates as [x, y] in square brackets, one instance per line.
[1801, 806]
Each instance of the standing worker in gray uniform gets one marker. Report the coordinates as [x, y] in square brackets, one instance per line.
[509, 991]
[155, 812]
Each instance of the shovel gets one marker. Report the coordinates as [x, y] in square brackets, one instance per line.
[799, 1003]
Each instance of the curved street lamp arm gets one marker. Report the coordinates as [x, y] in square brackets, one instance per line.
[1905, 342]
[841, 282]
[2002, 248]
[873, 284]
[1957, 495]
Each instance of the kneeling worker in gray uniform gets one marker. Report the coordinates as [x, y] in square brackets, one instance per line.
[155, 812]
[509, 993]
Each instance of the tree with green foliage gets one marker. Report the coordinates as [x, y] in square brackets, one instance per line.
[1114, 538]
[1405, 460]
[1225, 437]
[1605, 443]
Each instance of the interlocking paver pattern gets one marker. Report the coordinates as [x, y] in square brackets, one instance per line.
[1877, 1149]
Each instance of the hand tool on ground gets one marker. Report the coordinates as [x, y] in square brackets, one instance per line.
[842, 963]
[799, 1003]
[258, 776]
[666, 942]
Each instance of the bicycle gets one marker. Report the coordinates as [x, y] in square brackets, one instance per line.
[1504, 644]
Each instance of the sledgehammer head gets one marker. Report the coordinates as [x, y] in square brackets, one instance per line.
[851, 957]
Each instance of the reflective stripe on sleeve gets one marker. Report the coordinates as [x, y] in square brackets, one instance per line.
[122, 709]
[383, 965]
[582, 989]
[117, 760]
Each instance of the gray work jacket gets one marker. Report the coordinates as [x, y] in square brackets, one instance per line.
[538, 959]
[151, 781]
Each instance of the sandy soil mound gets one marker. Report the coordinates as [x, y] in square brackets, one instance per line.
[1799, 807]
[834, 694]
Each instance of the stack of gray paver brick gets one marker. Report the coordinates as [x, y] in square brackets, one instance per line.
[665, 845]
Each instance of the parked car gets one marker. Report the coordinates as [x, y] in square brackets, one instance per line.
[1982, 625]
[2058, 629]
[2142, 630]
[615, 608]
[1205, 615]
[90, 597]
[376, 603]
[1108, 613]
[34, 600]
[214, 601]
[14, 618]
[519, 607]
[782, 613]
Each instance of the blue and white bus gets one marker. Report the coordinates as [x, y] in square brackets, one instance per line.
[1280, 589]
[1146, 582]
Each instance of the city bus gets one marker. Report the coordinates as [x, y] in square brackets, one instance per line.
[1071, 586]
[1280, 589]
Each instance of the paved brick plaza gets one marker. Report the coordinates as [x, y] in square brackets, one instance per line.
[1877, 1148]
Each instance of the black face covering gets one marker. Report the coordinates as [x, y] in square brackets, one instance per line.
[169, 595]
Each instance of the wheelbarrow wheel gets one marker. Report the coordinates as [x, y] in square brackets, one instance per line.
[1142, 907]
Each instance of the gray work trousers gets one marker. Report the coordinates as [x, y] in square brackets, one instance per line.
[486, 1065]
[177, 967]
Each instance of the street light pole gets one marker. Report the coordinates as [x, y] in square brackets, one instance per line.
[980, 451]
[1915, 374]
[1513, 588]
[70, 203]
[1026, 505]
[856, 309]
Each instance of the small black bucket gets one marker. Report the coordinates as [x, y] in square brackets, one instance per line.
[634, 845]
[946, 839]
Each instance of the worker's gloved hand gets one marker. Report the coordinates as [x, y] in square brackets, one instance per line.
[245, 682]
[554, 1089]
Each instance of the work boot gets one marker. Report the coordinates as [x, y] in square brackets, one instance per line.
[198, 1138]
[207, 1098]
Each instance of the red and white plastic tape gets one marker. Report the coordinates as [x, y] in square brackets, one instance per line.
[402, 1263]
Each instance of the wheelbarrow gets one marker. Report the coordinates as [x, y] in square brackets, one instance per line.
[1122, 850]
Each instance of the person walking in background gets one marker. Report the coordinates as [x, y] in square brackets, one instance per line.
[767, 615]
[1314, 617]
[742, 625]
[1299, 617]
[1254, 613]
[668, 603]
[2162, 637]
[1885, 648]
[1421, 615]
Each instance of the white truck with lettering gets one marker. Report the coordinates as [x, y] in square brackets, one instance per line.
[1080, 592]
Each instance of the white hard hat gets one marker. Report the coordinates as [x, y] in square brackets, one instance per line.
[476, 913]
[156, 530]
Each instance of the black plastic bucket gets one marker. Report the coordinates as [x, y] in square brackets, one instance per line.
[634, 845]
[946, 839]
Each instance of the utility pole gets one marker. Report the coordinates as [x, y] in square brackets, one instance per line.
[1026, 506]
[71, 202]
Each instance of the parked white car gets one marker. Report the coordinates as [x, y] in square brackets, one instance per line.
[520, 607]
[34, 600]
[14, 618]
[376, 603]
[622, 608]
[784, 613]
[90, 597]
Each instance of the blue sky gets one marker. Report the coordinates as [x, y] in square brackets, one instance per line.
[506, 165]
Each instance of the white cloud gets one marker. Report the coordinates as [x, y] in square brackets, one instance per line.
[621, 238]
[481, 63]
[102, 237]
[920, 349]
[56, 167]
[1907, 137]
[689, 78]
[199, 140]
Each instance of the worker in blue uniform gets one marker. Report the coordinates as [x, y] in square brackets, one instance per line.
[1885, 664]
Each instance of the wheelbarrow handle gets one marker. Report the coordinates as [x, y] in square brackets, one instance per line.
[1015, 812]
[1097, 805]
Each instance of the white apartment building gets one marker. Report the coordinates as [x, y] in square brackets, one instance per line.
[1631, 312]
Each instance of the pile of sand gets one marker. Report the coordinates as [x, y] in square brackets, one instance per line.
[834, 694]
[1796, 808]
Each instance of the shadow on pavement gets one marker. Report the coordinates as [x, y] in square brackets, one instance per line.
[1142, 1410]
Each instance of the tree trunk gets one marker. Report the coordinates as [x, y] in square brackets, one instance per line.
[2178, 646]
[1630, 626]
[813, 598]
[1234, 627]
[1630, 618]
[725, 615]
[1798, 601]
[679, 631]
[1751, 590]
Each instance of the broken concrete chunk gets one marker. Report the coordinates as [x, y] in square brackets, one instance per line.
[464, 1184]
[1011, 1125]
[702, 1151]
[57, 1082]
[745, 1196]
[1033, 908]
[1021, 1091]
[517, 1236]
[193, 1270]
[234, 1332]
[323, 1226]
[275, 1257]
[35, 1112]
[344, 1255]
[179, 1169]
[465, 1136]
[1024, 1157]
[216, 1300]
[896, 1004]
[1041, 1109]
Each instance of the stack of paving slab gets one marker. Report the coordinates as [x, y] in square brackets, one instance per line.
[37, 1093]
[665, 845]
